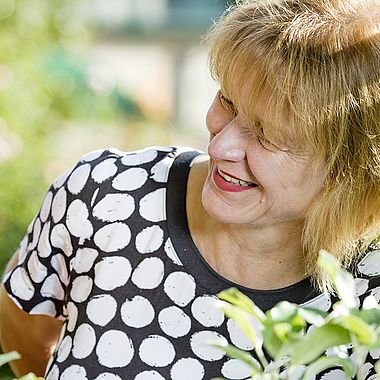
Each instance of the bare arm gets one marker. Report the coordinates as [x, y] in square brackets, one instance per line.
[32, 336]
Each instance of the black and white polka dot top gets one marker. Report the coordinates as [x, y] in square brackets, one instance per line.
[111, 255]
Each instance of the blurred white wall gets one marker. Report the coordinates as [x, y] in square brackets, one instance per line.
[166, 73]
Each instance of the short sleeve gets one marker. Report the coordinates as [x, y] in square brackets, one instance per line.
[41, 277]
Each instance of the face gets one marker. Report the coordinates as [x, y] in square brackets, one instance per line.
[252, 181]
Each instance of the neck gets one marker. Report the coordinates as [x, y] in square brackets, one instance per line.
[268, 257]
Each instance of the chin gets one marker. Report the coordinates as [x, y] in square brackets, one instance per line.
[221, 213]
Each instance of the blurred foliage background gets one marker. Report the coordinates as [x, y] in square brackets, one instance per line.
[57, 101]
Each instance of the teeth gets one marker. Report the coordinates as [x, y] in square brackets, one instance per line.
[234, 180]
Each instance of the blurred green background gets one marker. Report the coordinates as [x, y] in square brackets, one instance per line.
[82, 75]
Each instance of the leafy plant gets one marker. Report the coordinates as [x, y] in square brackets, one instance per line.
[297, 337]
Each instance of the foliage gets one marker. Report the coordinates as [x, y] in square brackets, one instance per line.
[297, 337]
[42, 86]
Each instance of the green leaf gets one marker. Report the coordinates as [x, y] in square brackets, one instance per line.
[343, 281]
[327, 362]
[376, 344]
[286, 316]
[313, 316]
[272, 342]
[245, 321]
[283, 312]
[365, 334]
[312, 345]
[283, 323]
[377, 367]
[360, 354]
[265, 376]
[8, 357]
[370, 316]
[30, 376]
[235, 297]
[244, 356]
[282, 330]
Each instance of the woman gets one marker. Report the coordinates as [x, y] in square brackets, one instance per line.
[124, 259]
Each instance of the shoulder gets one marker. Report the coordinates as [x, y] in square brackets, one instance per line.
[101, 166]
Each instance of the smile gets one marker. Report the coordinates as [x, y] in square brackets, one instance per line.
[235, 181]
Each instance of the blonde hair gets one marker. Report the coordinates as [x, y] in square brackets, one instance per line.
[318, 61]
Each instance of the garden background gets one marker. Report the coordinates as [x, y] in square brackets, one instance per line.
[76, 76]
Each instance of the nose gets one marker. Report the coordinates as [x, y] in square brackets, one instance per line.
[228, 144]
[217, 116]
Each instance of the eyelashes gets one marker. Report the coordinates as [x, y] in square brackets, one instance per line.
[249, 131]
[227, 104]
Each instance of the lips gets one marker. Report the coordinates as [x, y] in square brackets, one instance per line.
[227, 182]
[234, 180]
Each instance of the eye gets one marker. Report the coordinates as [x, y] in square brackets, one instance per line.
[266, 144]
[227, 104]
[269, 145]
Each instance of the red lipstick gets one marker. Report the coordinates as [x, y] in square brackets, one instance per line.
[228, 186]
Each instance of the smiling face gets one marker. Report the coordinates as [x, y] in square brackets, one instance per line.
[252, 180]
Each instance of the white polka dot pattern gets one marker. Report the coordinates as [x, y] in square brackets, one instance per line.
[149, 375]
[180, 288]
[101, 309]
[156, 351]
[38, 272]
[45, 209]
[104, 170]
[84, 341]
[114, 349]
[64, 349]
[236, 369]
[45, 307]
[187, 369]
[238, 338]
[149, 273]
[137, 312]
[201, 345]
[139, 157]
[60, 238]
[149, 239]
[205, 311]
[112, 237]
[114, 207]
[77, 220]
[59, 205]
[174, 322]
[170, 251]
[147, 206]
[108, 376]
[74, 372]
[81, 288]
[130, 179]
[53, 373]
[21, 285]
[112, 272]
[78, 179]
[84, 260]
[102, 257]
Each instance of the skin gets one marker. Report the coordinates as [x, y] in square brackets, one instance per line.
[260, 226]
